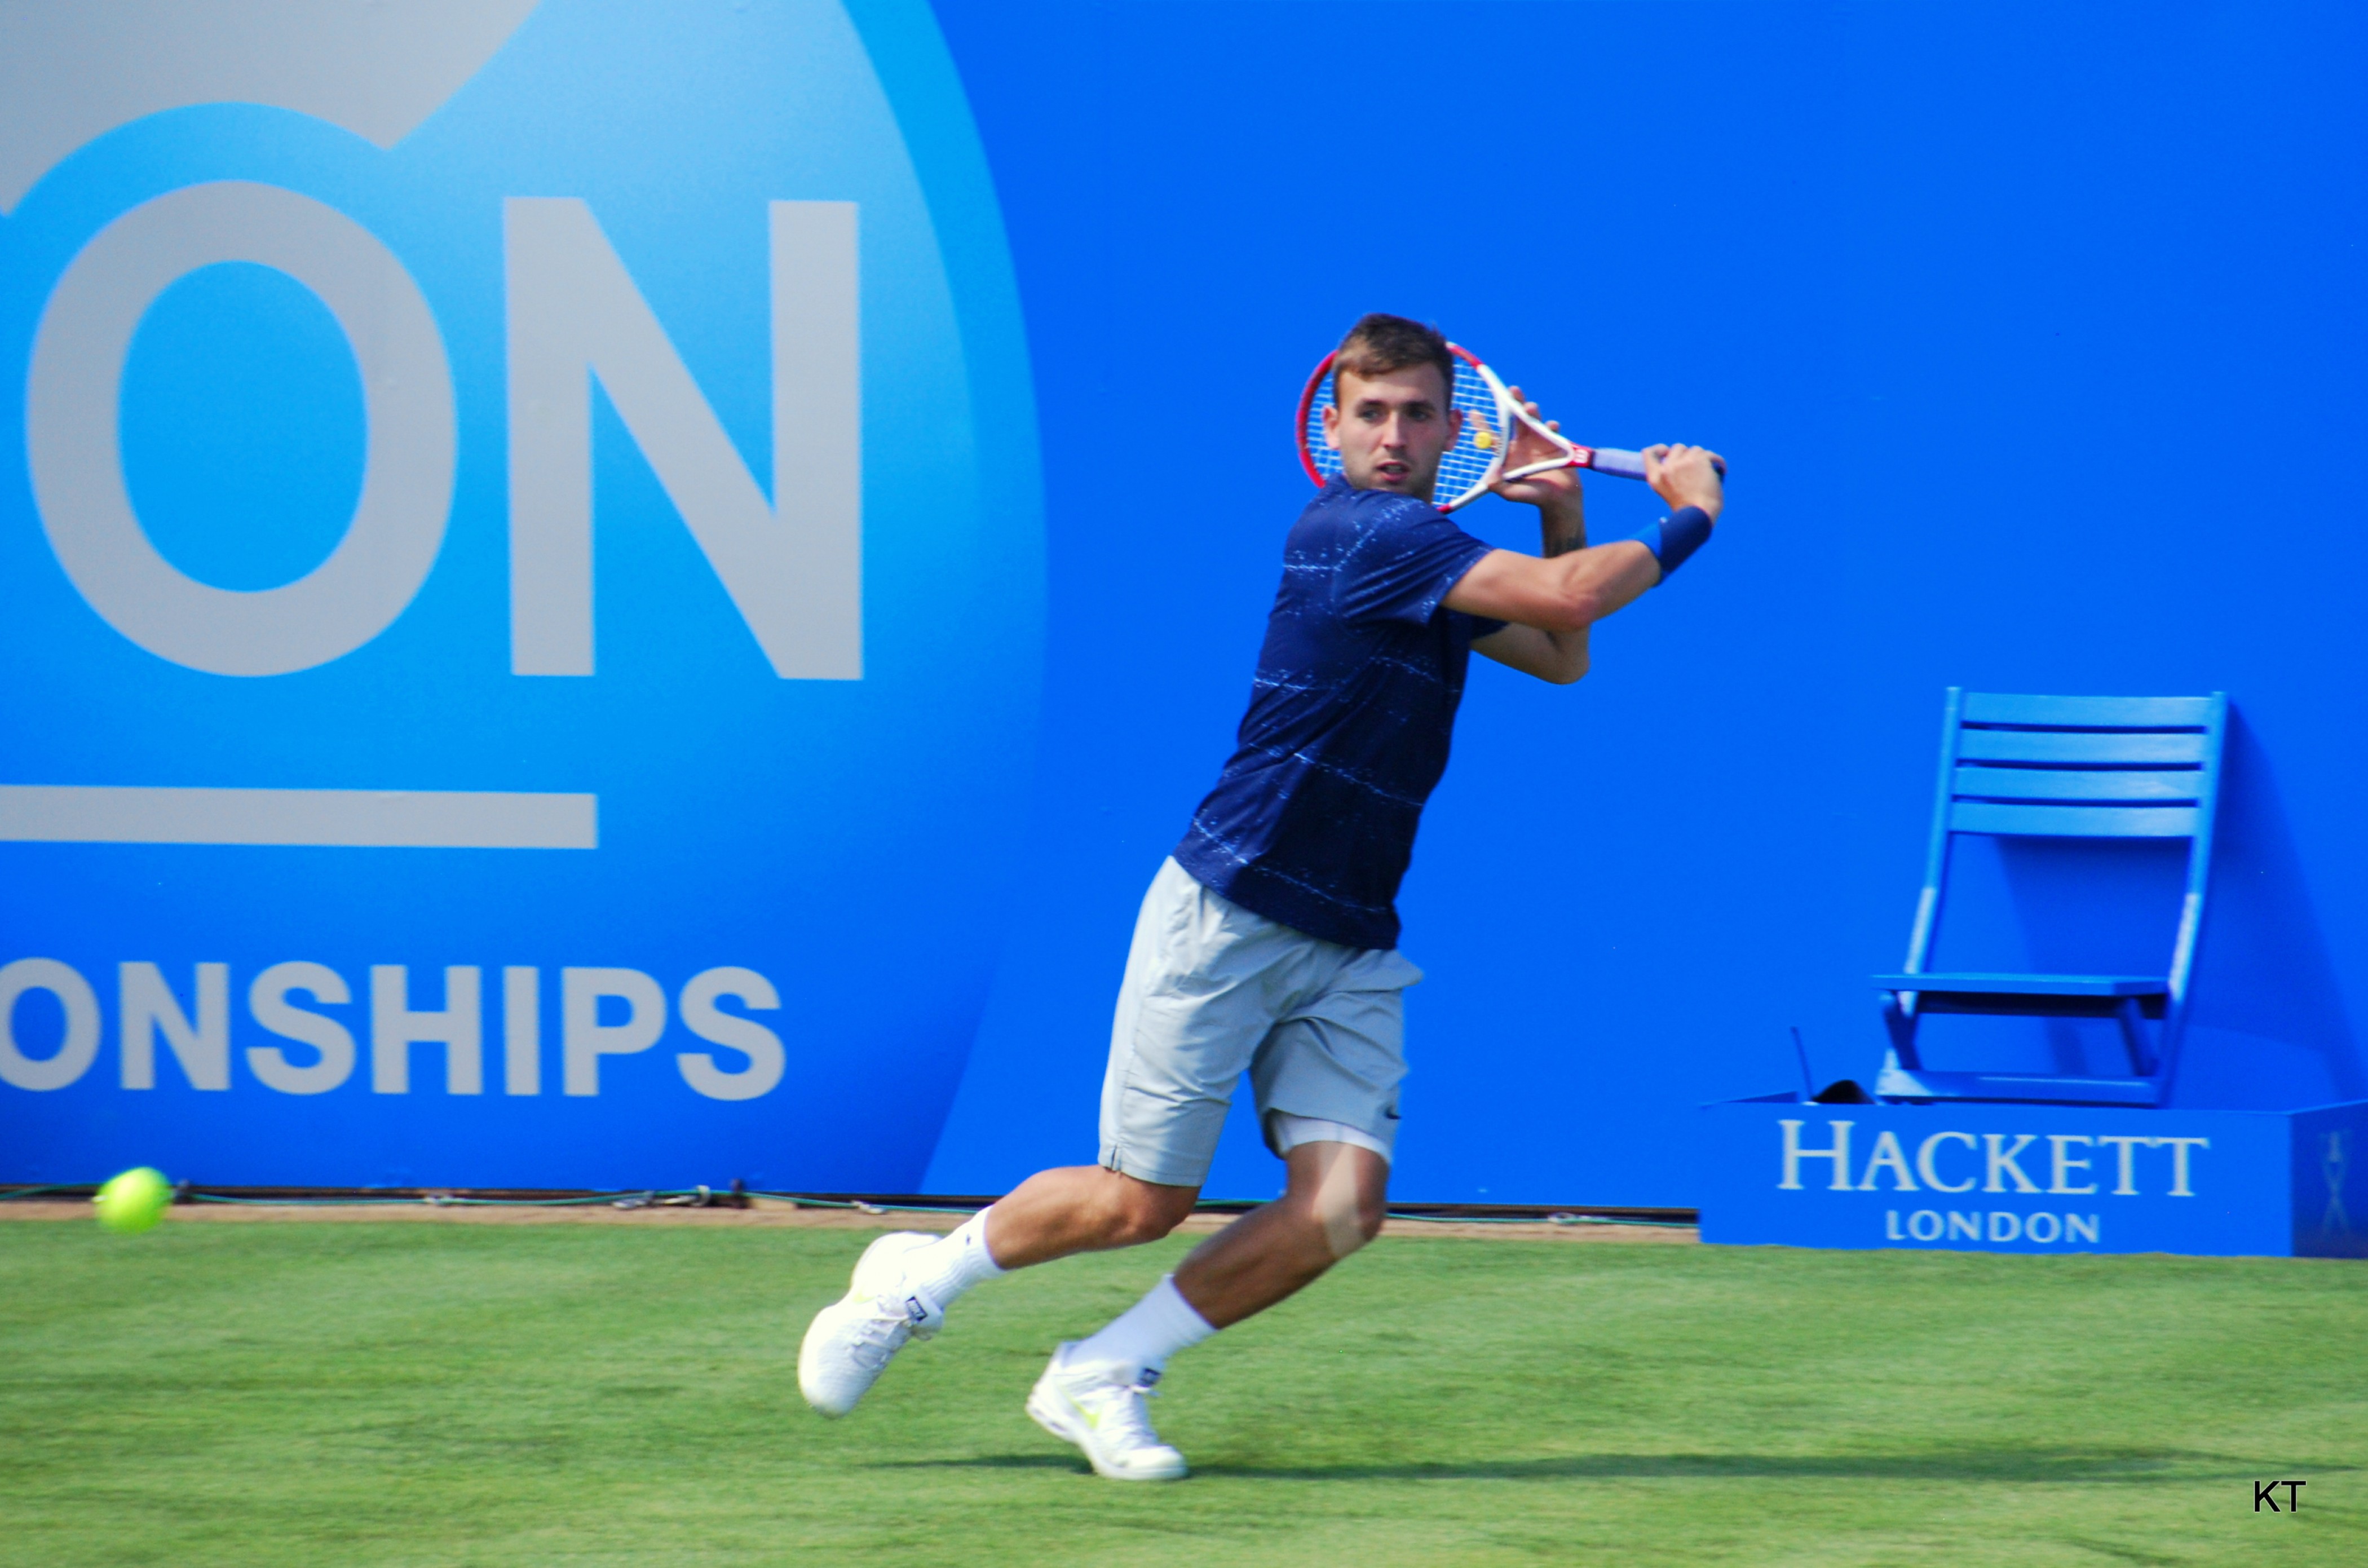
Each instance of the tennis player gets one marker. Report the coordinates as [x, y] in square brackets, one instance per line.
[1268, 941]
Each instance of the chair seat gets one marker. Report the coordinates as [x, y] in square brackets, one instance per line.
[2028, 984]
[1895, 1083]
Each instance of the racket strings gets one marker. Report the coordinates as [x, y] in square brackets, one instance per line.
[1468, 461]
[1465, 464]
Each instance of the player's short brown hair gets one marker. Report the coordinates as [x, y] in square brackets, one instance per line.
[1381, 343]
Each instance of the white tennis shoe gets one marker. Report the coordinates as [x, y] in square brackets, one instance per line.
[850, 1343]
[1099, 1407]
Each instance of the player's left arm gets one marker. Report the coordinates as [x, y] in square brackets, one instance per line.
[1571, 592]
[1547, 642]
[1554, 600]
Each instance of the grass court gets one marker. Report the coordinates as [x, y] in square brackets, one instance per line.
[445, 1394]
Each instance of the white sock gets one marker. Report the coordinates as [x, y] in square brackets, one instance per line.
[1147, 1332]
[953, 1263]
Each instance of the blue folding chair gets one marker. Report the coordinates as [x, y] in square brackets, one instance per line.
[2061, 768]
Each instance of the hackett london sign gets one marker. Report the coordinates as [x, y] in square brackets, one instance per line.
[1951, 1162]
[2032, 1179]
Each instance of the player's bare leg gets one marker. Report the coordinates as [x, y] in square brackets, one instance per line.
[1083, 1208]
[1093, 1393]
[1332, 1204]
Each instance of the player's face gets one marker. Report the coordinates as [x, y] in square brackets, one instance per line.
[1391, 430]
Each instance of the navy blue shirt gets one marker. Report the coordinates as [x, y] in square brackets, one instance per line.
[1313, 822]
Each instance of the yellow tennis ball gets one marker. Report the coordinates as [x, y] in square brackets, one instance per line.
[133, 1201]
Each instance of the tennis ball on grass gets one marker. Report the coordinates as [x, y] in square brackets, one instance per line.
[133, 1201]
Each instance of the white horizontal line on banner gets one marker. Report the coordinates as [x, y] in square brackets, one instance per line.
[361, 819]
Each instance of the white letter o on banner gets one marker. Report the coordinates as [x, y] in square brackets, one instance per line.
[73, 438]
[80, 1047]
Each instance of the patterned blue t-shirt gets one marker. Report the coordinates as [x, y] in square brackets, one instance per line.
[1313, 822]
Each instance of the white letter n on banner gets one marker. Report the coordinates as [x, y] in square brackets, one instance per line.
[794, 566]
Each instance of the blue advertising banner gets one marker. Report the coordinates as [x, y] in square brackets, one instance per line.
[537, 647]
[2036, 1179]
[522, 593]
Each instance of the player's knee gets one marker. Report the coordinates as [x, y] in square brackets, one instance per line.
[1144, 1211]
[1350, 1210]
[1137, 1225]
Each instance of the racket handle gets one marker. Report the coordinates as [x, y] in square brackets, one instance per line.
[1630, 465]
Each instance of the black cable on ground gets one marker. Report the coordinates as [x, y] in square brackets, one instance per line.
[738, 1196]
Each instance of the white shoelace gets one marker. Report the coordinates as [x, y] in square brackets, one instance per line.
[881, 1332]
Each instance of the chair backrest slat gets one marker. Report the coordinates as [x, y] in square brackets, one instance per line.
[2085, 748]
[2128, 786]
[2095, 768]
[2072, 821]
[2087, 712]
[2080, 766]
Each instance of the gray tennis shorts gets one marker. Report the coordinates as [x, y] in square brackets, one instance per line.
[1212, 991]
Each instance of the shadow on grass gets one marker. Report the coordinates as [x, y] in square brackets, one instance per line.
[987, 1461]
[2146, 1467]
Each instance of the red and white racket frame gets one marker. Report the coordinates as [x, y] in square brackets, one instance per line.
[1601, 459]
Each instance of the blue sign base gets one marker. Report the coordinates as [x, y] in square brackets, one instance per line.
[1980, 1177]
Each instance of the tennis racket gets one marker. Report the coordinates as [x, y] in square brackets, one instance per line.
[1477, 461]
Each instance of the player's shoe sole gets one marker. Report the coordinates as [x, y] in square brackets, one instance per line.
[1118, 1442]
[850, 1341]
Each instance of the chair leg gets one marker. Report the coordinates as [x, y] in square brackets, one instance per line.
[2133, 1023]
[1900, 1024]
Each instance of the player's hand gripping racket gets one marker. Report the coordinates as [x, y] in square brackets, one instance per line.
[1494, 423]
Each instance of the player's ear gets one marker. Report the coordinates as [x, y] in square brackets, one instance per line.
[1332, 426]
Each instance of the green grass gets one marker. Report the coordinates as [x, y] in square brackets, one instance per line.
[421, 1394]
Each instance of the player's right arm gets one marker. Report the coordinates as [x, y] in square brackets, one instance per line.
[1571, 592]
